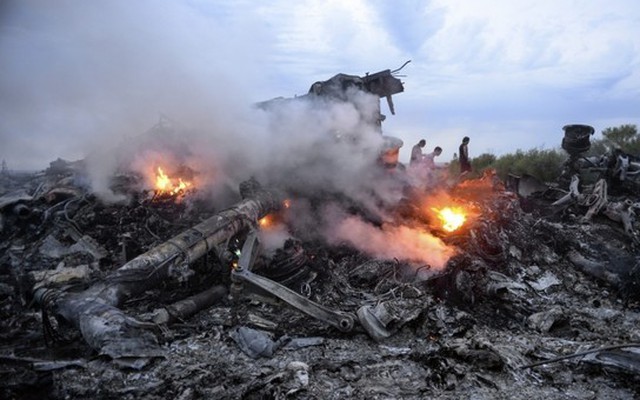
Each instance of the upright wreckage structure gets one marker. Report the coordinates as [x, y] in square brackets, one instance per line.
[342, 87]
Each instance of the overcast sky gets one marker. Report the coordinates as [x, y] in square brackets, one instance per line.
[75, 75]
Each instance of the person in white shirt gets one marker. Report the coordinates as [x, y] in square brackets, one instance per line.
[429, 159]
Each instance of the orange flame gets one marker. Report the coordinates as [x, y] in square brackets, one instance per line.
[164, 184]
[452, 218]
[447, 213]
[266, 222]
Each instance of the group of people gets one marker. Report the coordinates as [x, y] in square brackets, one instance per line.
[427, 160]
[418, 159]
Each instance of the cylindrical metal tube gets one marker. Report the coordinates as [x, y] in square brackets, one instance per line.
[185, 308]
[148, 270]
[145, 270]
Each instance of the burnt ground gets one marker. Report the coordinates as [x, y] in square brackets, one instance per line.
[526, 287]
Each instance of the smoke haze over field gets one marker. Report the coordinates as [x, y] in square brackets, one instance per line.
[76, 74]
[87, 79]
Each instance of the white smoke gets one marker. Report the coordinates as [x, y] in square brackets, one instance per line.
[93, 78]
[386, 241]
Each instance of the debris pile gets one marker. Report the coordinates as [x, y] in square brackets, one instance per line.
[533, 304]
[458, 289]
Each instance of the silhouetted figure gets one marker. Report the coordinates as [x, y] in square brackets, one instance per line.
[465, 165]
[416, 153]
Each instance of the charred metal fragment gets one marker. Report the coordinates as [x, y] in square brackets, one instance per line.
[525, 185]
[375, 321]
[614, 355]
[597, 202]
[103, 326]
[288, 265]
[185, 308]
[340, 320]
[576, 138]
[623, 212]
[597, 269]
[15, 198]
[573, 195]
[575, 142]
[13, 206]
[243, 279]
[256, 343]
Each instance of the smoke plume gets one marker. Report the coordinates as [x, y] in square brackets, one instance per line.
[130, 86]
[386, 241]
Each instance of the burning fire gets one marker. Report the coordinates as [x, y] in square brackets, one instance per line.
[266, 222]
[452, 218]
[273, 220]
[446, 213]
[165, 184]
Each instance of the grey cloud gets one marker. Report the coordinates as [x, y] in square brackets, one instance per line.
[78, 73]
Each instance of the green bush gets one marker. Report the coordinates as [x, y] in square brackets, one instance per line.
[482, 162]
[624, 137]
[544, 165]
[478, 164]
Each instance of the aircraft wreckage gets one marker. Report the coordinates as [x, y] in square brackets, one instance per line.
[529, 292]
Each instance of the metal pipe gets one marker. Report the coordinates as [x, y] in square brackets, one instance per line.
[185, 308]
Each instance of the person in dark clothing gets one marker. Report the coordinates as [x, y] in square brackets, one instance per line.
[465, 165]
[416, 152]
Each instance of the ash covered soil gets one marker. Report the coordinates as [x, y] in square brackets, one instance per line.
[526, 286]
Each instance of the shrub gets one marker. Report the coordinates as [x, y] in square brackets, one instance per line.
[482, 162]
[544, 165]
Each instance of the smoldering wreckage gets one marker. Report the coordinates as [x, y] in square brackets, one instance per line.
[517, 289]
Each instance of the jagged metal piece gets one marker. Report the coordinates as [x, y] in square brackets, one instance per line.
[243, 277]
[375, 321]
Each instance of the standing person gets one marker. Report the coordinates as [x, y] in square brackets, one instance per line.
[429, 159]
[416, 153]
[465, 165]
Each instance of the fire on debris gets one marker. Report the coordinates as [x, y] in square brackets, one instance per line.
[266, 222]
[165, 184]
[377, 288]
[452, 218]
[451, 211]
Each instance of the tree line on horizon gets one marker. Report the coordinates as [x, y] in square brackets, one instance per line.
[546, 164]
